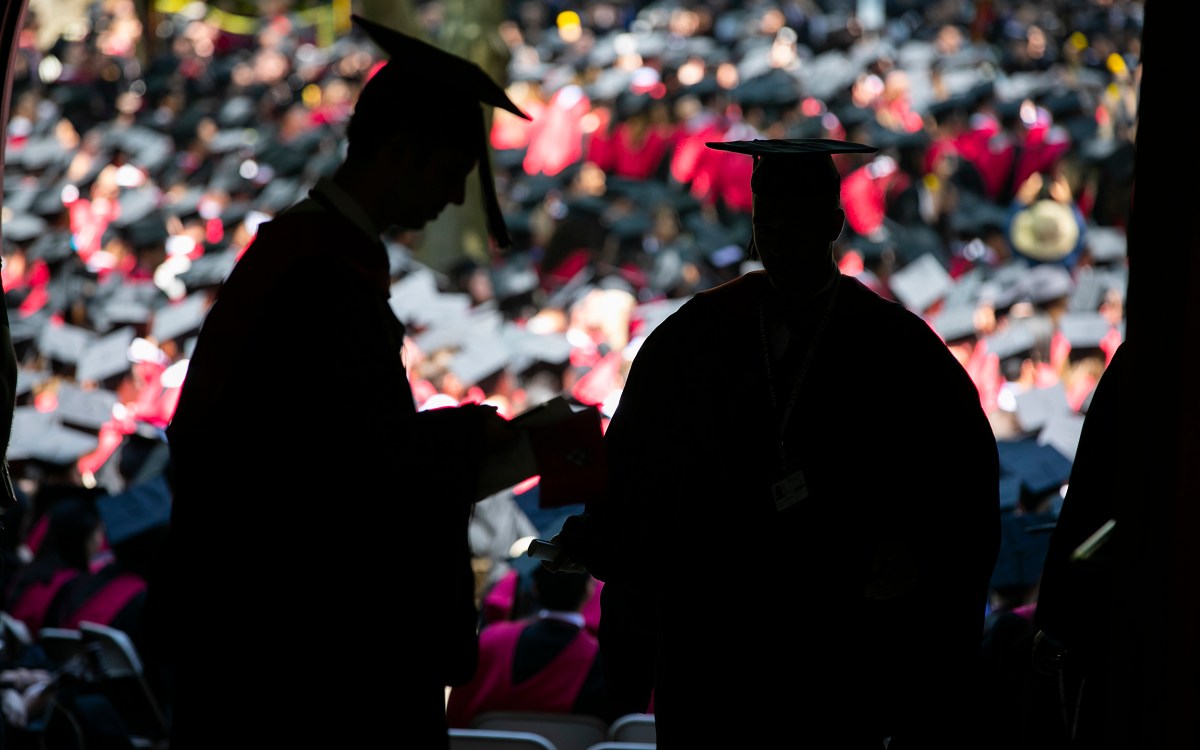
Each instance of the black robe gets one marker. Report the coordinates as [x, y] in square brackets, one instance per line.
[319, 585]
[748, 621]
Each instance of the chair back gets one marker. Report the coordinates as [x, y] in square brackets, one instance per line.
[115, 667]
[567, 731]
[496, 739]
[62, 646]
[633, 728]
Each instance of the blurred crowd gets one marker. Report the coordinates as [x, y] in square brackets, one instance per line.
[140, 161]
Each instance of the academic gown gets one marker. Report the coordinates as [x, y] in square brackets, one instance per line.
[852, 614]
[315, 510]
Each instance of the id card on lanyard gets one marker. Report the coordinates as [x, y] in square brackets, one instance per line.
[789, 487]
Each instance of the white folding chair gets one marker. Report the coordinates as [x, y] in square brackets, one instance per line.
[567, 731]
[497, 739]
[633, 728]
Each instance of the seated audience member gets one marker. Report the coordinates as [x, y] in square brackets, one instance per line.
[75, 535]
[549, 661]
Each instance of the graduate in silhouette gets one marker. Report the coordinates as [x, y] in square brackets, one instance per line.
[316, 514]
[804, 515]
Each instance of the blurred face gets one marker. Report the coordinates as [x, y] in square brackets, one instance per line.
[794, 240]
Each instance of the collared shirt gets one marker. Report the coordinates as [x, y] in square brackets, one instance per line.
[575, 618]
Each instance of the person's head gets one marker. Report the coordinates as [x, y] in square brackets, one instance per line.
[75, 532]
[418, 126]
[797, 213]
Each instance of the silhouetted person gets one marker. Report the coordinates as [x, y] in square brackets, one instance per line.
[804, 510]
[320, 586]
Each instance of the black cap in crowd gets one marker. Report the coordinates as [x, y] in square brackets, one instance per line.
[1037, 406]
[40, 437]
[86, 409]
[1040, 468]
[106, 357]
[784, 166]
[921, 283]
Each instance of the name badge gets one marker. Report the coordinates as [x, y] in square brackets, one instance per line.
[789, 490]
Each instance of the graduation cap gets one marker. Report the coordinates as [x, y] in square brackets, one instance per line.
[22, 228]
[52, 246]
[1106, 244]
[106, 357]
[921, 283]
[175, 320]
[64, 343]
[1037, 406]
[1084, 331]
[84, 408]
[40, 436]
[1015, 340]
[955, 324]
[142, 507]
[420, 71]
[209, 270]
[786, 166]
[29, 378]
[529, 348]
[479, 359]
[1040, 467]
[1062, 432]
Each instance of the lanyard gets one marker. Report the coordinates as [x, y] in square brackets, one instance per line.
[812, 347]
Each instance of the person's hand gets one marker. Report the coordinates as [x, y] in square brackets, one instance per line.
[1029, 189]
[13, 707]
[562, 562]
[1060, 188]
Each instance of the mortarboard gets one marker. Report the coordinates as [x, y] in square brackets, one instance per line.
[1089, 291]
[1106, 244]
[529, 348]
[955, 324]
[1015, 340]
[921, 283]
[1040, 467]
[39, 436]
[1084, 330]
[22, 228]
[175, 320]
[52, 246]
[106, 357]
[787, 165]
[1037, 406]
[86, 409]
[479, 358]
[1062, 431]
[29, 378]
[64, 343]
[209, 270]
[139, 508]
[422, 71]
[1040, 284]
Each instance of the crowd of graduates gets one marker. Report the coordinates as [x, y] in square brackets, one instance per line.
[140, 161]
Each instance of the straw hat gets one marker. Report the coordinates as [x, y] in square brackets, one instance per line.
[1046, 230]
